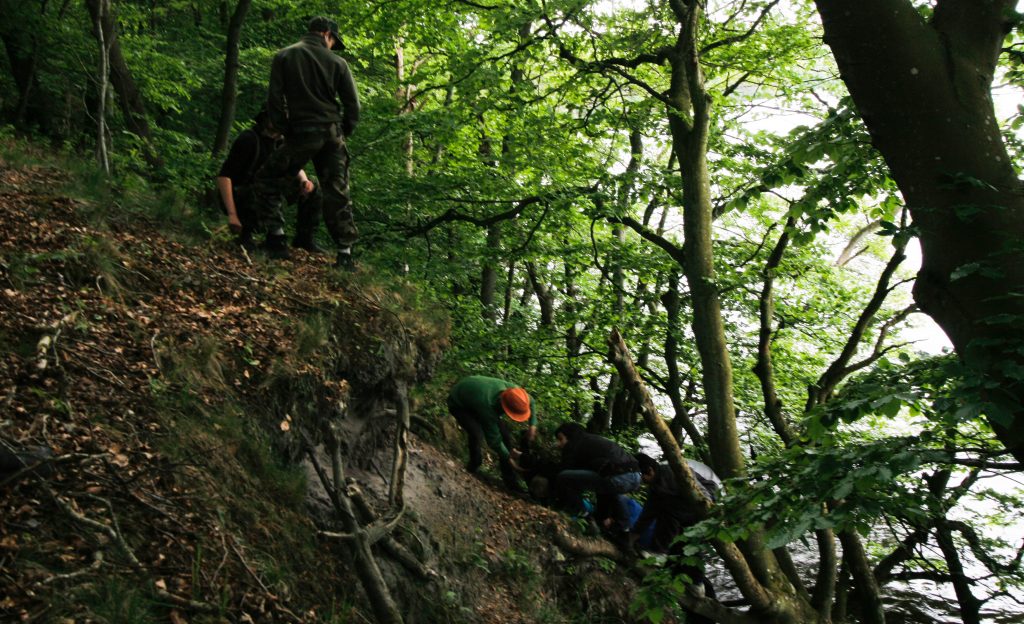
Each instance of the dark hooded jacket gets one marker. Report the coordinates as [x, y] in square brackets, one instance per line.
[665, 501]
[588, 451]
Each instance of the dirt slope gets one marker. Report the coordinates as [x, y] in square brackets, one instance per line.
[157, 388]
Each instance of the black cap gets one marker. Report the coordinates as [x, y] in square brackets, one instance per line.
[321, 24]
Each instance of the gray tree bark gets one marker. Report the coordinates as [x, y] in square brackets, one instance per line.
[923, 88]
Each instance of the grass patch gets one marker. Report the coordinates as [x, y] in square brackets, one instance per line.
[124, 197]
[92, 261]
[312, 334]
[196, 365]
[111, 600]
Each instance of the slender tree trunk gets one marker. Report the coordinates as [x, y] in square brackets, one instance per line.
[923, 89]
[103, 81]
[763, 369]
[575, 333]
[128, 93]
[969, 604]
[510, 278]
[406, 104]
[599, 409]
[872, 610]
[690, 102]
[229, 94]
[545, 298]
[828, 573]
[28, 81]
[24, 61]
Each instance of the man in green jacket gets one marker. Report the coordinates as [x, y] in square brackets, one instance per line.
[313, 99]
[480, 405]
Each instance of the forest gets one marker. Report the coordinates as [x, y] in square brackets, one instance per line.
[775, 236]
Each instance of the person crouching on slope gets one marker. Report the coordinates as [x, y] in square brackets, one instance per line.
[596, 464]
[480, 405]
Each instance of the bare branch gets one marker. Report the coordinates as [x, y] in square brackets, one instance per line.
[738, 38]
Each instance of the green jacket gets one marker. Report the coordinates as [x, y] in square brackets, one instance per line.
[479, 395]
[306, 82]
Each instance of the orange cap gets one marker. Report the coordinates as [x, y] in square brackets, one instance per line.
[516, 404]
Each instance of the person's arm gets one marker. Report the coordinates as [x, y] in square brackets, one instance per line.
[277, 110]
[227, 195]
[492, 435]
[349, 95]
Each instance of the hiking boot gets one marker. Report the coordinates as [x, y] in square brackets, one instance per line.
[514, 486]
[345, 262]
[308, 243]
[620, 539]
[276, 247]
[246, 242]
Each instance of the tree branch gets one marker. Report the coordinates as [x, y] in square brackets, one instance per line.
[738, 38]
[839, 368]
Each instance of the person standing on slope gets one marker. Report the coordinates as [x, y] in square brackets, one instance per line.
[312, 99]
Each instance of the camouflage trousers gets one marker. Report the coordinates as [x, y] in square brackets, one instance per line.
[324, 145]
[308, 207]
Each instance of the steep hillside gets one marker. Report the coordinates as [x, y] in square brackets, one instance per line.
[167, 407]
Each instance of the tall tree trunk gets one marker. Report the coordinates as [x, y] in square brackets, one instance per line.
[510, 280]
[229, 94]
[406, 104]
[23, 55]
[923, 89]
[599, 409]
[575, 334]
[128, 93]
[689, 122]
[24, 72]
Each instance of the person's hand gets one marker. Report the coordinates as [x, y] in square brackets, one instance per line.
[515, 466]
[234, 224]
[515, 454]
[531, 434]
[305, 187]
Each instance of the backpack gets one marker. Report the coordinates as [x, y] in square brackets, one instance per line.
[250, 172]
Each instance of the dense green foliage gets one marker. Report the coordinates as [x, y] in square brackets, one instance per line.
[527, 179]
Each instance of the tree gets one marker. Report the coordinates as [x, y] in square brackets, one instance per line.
[123, 81]
[103, 80]
[553, 170]
[922, 83]
[230, 93]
